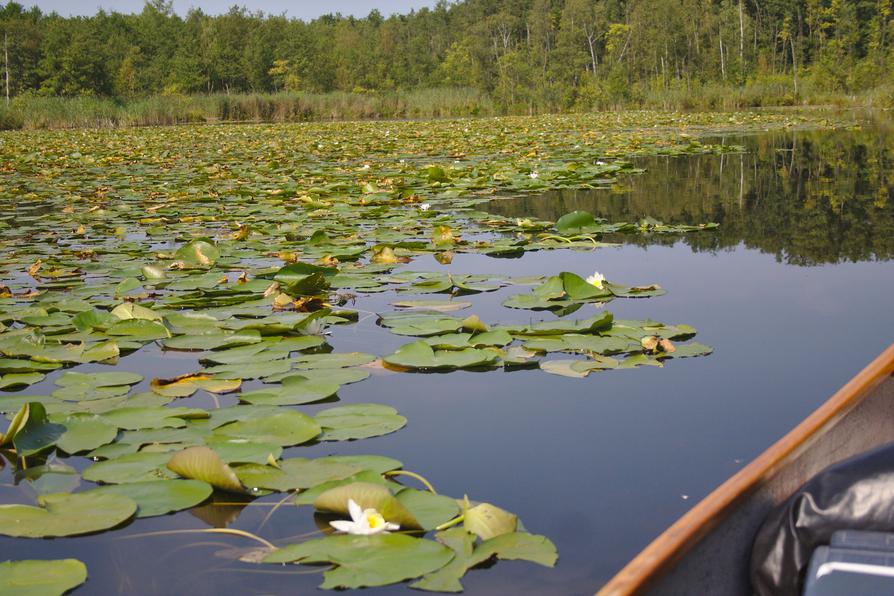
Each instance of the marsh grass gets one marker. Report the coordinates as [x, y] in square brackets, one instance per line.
[33, 112]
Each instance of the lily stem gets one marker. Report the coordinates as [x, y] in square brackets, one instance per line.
[231, 531]
[413, 475]
[453, 522]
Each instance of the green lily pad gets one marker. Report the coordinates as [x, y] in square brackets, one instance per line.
[429, 509]
[575, 222]
[18, 380]
[139, 330]
[294, 473]
[66, 515]
[133, 467]
[103, 379]
[186, 385]
[579, 368]
[213, 341]
[333, 360]
[84, 432]
[158, 497]
[420, 355]
[511, 546]
[293, 390]
[432, 305]
[358, 421]
[202, 463]
[31, 431]
[367, 561]
[487, 521]
[198, 254]
[285, 428]
[41, 578]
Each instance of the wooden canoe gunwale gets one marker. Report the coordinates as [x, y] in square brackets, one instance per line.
[668, 548]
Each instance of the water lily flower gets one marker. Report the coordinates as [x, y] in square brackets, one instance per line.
[364, 522]
[596, 279]
[424, 207]
[534, 175]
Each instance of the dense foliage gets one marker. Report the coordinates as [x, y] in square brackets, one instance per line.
[528, 55]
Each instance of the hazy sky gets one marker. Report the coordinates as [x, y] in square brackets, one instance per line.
[301, 9]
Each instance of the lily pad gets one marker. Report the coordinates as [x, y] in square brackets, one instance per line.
[367, 561]
[420, 355]
[358, 421]
[294, 473]
[158, 497]
[202, 463]
[41, 578]
[66, 515]
[285, 428]
[186, 385]
[293, 390]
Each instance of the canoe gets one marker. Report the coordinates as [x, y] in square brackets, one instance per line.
[707, 551]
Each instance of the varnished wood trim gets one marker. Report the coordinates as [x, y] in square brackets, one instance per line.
[698, 521]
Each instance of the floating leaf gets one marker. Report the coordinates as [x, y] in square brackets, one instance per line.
[66, 515]
[158, 497]
[294, 473]
[31, 432]
[134, 467]
[84, 432]
[432, 305]
[487, 521]
[106, 379]
[293, 391]
[429, 509]
[200, 254]
[41, 578]
[358, 421]
[186, 385]
[285, 428]
[575, 222]
[420, 355]
[367, 561]
[202, 463]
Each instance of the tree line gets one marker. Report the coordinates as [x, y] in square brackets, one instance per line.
[528, 55]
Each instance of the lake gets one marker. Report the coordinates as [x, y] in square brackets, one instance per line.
[793, 292]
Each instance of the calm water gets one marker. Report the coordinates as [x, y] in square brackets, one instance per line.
[794, 293]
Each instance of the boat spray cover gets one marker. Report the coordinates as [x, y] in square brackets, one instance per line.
[854, 494]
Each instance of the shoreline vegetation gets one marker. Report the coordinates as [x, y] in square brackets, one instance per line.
[35, 112]
[454, 59]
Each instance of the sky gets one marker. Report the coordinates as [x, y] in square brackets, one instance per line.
[301, 9]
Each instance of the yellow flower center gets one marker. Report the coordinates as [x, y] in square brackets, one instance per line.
[375, 520]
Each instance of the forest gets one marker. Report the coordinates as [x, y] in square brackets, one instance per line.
[498, 56]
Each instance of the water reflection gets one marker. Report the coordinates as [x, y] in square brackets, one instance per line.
[808, 198]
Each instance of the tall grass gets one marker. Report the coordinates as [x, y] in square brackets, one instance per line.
[32, 112]
[76, 112]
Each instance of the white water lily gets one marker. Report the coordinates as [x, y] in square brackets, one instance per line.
[365, 522]
[534, 175]
[596, 279]
[424, 207]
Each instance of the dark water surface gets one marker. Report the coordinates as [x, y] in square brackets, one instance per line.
[794, 292]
